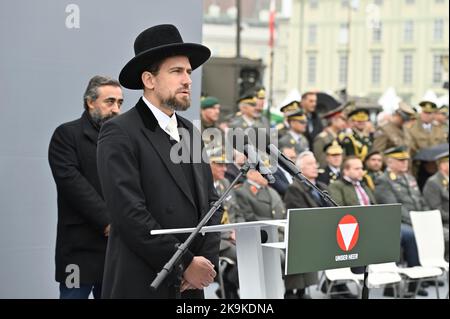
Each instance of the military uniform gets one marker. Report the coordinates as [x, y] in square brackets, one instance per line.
[356, 143]
[325, 137]
[330, 175]
[218, 141]
[391, 135]
[259, 203]
[294, 139]
[388, 136]
[392, 188]
[423, 138]
[283, 128]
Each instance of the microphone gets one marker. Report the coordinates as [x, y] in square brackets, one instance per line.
[283, 161]
[253, 158]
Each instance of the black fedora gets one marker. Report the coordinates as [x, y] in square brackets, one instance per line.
[155, 44]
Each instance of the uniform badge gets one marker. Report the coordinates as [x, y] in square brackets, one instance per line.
[254, 189]
[392, 176]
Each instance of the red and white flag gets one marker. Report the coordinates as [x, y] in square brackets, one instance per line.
[272, 23]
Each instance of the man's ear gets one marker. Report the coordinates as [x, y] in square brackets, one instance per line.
[148, 80]
[89, 103]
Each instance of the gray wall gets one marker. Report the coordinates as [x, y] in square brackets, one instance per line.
[44, 69]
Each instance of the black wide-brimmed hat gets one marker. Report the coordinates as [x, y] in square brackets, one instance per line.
[155, 44]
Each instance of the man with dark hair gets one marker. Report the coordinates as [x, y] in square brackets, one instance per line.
[83, 220]
[309, 104]
[147, 185]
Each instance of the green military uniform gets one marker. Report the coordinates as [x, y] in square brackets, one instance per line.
[259, 203]
[423, 138]
[205, 103]
[290, 107]
[391, 188]
[293, 139]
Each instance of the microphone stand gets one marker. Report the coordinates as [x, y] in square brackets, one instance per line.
[174, 261]
[296, 173]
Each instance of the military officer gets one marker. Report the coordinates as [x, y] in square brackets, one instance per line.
[286, 109]
[258, 201]
[357, 141]
[248, 115]
[424, 133]
[373, 165]
[334, 158]
[336, 124]
[441, 118]
[260, 95]
[295, 136]
[393, 133]
[210, 112]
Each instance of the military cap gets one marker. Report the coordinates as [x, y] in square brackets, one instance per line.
[216, 154]
[335, 112]
[291, 106]
[372, 153]
[260, 92]
[443, 109]
[398, 152]
[333, 148]
[359, 115]
[208, 101]
[297, 115]
[405, 111]
[428, 106]
[442, 157]
[247, 98]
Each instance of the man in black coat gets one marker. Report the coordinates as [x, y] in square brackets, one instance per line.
[315, 126]
[83, 221]
[147, 185]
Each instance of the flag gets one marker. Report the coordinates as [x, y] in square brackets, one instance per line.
[272, 23]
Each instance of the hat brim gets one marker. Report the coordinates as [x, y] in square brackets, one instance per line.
[130, 76]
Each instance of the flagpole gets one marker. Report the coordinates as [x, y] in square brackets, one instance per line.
[271, 58]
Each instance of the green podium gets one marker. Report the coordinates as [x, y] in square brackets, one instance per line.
[336, 237]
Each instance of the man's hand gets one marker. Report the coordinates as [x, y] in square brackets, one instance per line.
[107, 229]
[199, 274]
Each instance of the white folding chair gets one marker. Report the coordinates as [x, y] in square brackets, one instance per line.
[343, 275]
[382, 275]
[429, 235]
[409, 274]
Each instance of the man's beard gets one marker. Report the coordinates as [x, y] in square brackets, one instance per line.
[176, 105]
[100, 119]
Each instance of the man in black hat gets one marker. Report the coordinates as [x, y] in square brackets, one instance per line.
[332, 171]
[146, 185]
[83, 218]
[248, 115]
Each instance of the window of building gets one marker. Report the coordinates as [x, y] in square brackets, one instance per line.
[343, 69]
[313, 4]
[312, 34]
[343, 33]
[408, 32]
[378, 2]
[437, 69]
[409, 1]
[438, 29]
[407, 68]
[376, 68]
[377, 32]
[312, 66]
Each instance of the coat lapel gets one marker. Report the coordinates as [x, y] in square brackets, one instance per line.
[158, 139]
[88, 128]
[196, 167]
